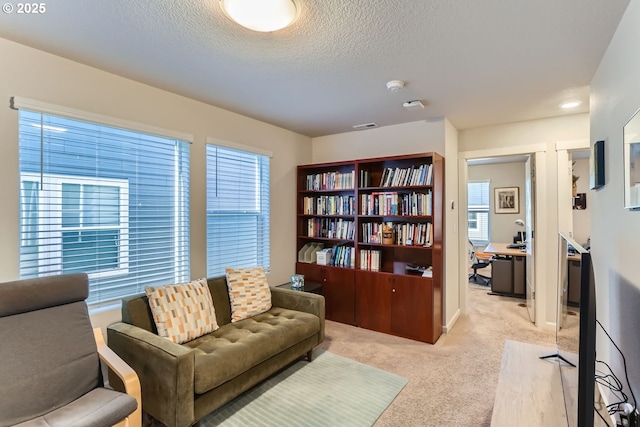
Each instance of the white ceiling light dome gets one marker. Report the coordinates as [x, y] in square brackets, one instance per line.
[261, 15]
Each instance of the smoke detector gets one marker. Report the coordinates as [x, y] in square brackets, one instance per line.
[395, 85]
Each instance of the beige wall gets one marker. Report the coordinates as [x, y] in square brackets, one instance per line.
[409, 138]
[524, 137]
[501, 226]
[582, 218]
[37, 75]
[615, 96]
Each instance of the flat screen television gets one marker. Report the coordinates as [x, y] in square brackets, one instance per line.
[576, 333]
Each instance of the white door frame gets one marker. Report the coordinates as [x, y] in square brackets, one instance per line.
[565, 211]
[539, 151]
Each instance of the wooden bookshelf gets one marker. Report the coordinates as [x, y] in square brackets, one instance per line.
[375, 218]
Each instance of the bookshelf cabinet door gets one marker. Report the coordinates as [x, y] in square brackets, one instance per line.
[373, 301]
[410, 317]
[340, 294]
[338, 288]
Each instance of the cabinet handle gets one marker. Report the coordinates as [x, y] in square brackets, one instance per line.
[394, 290]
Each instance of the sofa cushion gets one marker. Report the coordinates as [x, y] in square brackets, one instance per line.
[182, 312]
[236, 347]
[249, 292]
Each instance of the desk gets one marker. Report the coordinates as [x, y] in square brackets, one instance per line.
[502, 249]
[508, 270]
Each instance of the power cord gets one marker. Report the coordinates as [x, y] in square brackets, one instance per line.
[628, 414]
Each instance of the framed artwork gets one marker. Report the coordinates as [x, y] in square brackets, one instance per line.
[596, 178]
[506, 200]
[580, 201]
[631, 153]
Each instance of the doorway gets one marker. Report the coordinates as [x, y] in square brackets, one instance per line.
[537, 156]
[500, 217]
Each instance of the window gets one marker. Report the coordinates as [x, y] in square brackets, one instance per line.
[107, 201]
[478, 211]
[86, 229]
[237, 209]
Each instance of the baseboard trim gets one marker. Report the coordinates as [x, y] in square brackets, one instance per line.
[447, 327]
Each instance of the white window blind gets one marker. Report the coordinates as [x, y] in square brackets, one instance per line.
[237, 209]
[478, 211]
[111, 202]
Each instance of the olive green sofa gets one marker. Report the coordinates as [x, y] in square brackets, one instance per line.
[181, 383]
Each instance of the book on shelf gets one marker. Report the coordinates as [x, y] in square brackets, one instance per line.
[406, 177]
[330, 181]
[393, 203]
[410, 234]
[330, 228]
[370, 259]
[342, 256]
[329, 205]
[365, 179]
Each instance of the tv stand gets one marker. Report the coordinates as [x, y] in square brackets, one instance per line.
[559, 356]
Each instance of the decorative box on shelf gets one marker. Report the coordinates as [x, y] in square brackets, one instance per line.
[322, 257]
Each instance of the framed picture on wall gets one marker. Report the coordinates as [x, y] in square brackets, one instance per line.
[506, 200]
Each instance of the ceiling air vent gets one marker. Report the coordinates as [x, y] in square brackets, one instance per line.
[365, 126]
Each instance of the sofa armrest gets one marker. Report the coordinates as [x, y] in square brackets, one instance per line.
[300, 301]
[166, 372]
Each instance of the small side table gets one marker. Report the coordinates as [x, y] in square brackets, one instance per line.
[312, 287]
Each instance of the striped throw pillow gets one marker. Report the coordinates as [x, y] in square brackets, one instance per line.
[249, 292]
[182, 312]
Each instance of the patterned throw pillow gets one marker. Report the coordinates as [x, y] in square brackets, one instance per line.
[249, 292]
[182, 312]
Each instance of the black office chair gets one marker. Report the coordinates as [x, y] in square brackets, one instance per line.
[478, 261]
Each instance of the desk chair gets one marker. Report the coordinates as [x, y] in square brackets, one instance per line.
[478, 261]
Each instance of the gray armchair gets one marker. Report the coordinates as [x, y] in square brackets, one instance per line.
[50, 370]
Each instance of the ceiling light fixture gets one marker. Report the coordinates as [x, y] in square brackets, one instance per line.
[570, 104]
[416, 104]
[261, 15]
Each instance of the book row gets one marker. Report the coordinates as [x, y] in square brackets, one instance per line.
[340, 256]
[329, 205]
[403, 177]
[370, 259]
[330, 181]
[392, 203]
[403, 234]
[330, 228]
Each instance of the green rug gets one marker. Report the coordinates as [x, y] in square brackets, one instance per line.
[329, 391]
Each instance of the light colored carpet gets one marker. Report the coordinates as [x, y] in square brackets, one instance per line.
[453, 382]
[329, 391]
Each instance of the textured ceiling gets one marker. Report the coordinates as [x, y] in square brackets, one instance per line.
[476, 62]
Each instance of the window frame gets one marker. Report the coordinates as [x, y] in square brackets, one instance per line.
[479, 240]
[255, 210]
[51, 225]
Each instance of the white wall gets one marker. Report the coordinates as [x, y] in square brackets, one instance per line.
[521, 137]
[501, 226]
[615, 235]
[34, 74]
[409, 138]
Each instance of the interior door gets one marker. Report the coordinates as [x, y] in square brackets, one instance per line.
[529, 187]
